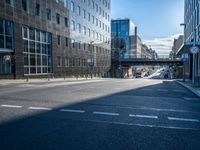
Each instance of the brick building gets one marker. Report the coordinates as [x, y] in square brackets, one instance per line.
[37, 39]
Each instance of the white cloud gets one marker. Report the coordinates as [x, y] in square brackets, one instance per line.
[162, 45]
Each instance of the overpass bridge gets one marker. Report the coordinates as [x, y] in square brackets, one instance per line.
[149, 62]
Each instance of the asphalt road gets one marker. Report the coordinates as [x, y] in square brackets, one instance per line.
[110, 114]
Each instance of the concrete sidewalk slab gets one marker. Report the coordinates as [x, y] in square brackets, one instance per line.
[195, 90]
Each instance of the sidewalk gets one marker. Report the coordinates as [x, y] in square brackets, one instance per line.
[189, 86]
[43, 80]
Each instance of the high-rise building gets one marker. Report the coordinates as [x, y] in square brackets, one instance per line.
[90, 33]
[54, 37]
[125, 31]
[191, 35]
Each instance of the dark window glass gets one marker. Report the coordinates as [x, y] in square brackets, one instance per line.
[58, 37]
[58, 18]
[32, 47]
[37, 35]
[8, 42]
[25, 45]
[25, 32]
[37, 11]
[26, 59]
[44, 60]
[67, 42]
[31, 33]
[43, 48]
[32, 60]
[1, 26]
[48, 14]
[1, 41]
[25, 5]
[38, 49]
[38, 60]
[8, 28]
[66, 22]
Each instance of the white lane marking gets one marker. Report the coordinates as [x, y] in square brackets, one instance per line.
[11, 106]
[143, 116]
[162, 90]
[72, 110]
[39, 108]
[183, 119]
[106, 113]
[181, 91]
[139, 125]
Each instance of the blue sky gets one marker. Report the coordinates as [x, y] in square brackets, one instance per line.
[156, 19]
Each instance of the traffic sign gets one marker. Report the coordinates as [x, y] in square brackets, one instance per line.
[194, 49]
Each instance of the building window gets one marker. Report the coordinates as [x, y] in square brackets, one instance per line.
[72, 7]
[48, 14]
[79, 27]
[37, 51]
[6, 35]
[78, 10]
[37, 9]
[66, 42]
[66, 22]
[59, 61]
[88, 16]
[10, 2]
[58, 39]
[65, 3]
[73, 43]
[25, 5]
[66, 62]
[73, 27]
[84, 13]
[84, 30]
[58, 18]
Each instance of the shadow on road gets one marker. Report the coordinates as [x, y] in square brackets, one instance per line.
[60, 130]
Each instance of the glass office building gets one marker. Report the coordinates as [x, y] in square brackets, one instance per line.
[90, 34]
[123, 33]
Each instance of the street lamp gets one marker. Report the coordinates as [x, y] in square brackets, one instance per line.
[184, 61]
[90, 61]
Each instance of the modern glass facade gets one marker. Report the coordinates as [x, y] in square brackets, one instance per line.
[37, 51]
[122, 30]
[90, 31]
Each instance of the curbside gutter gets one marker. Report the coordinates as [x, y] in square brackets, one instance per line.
[196, 92]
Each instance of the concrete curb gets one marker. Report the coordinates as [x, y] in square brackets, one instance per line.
[189, 88]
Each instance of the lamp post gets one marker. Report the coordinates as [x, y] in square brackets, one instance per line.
[184, 62]
[91, 60]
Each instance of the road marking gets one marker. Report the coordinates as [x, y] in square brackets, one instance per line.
[183, 119]
[162, 90]
[72, 110]
[181, 91]
[11, 106]
[143, 116]
[106, 113]
[139, 125]
[39, 108]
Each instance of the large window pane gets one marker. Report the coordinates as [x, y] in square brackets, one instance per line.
[38, 60]
[31, 33]
[8, 28]
[38, 49]
[32, 60]
[25, 45]
[1, 41]
[26, 60]
[44, 60]
[1, 26]
[8, 42]
[43, 48]
[32, 47]
[25, 30]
